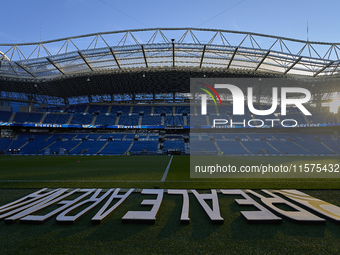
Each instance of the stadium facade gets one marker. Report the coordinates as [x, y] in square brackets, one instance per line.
[128, 92]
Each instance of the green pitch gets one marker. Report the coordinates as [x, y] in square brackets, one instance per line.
[141, 172]
[22, 175]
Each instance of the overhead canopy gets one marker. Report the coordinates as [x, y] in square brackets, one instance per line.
[157, 60]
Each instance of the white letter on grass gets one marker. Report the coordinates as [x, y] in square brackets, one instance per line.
[100, 216]
[147, 216]
[185, 208]
[213, 214]
[94, 199]
[263, 215]
[297, 214]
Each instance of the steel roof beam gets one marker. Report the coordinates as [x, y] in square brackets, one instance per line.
[86, 62]
[232, 57]
[260, 63]
[289, 68]
[167, 29]
[12, 68]
[322, 69]
[205, 46]
[49, 60]
[115, 57]
[24, 68]
[146, 61]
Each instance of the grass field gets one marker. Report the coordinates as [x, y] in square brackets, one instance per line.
[141, 172]
[22, 175]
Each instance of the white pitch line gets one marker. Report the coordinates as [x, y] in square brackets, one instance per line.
[167, 170]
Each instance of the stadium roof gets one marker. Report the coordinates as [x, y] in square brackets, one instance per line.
[116, 62]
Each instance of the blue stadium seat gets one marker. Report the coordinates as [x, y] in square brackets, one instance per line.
[5, 116]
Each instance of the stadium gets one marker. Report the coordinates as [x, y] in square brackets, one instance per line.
[133, 98]
[106, 110]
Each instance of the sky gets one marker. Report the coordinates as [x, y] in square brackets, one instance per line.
[25, 21]
[21, 20]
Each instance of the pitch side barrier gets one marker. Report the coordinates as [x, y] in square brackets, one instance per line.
[259, 155]
[33, 125]
[224, 155]
[302, 207]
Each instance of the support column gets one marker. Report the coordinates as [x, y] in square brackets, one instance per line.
[133, 98]
[258, 94]
[30, 108]
[66, 102]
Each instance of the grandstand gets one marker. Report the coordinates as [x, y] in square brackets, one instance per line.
[79, 133]
[96, 104]
[135, 98]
